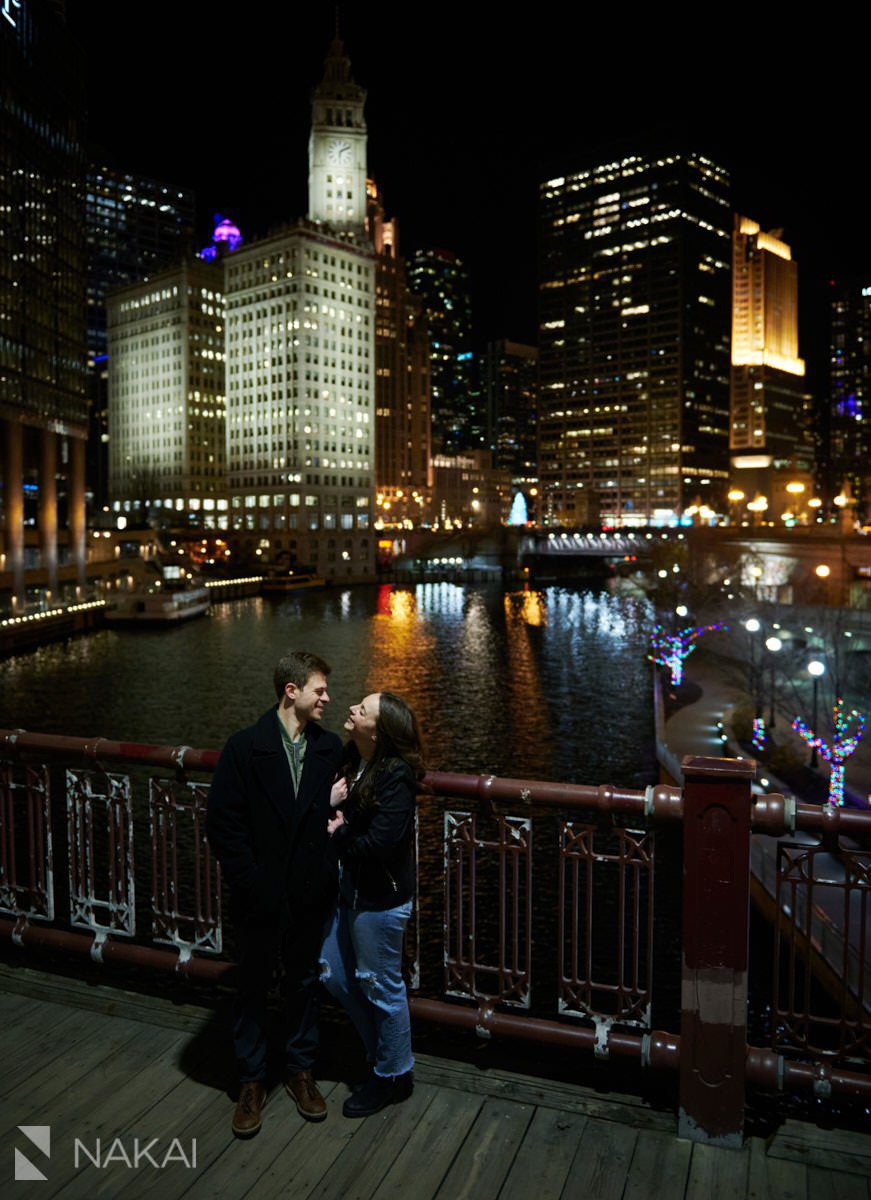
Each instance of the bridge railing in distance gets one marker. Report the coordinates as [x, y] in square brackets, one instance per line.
[77, 815]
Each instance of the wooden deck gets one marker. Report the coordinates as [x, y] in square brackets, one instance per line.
[110, 1064]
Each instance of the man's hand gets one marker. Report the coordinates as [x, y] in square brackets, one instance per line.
[334, 822]
[339, 793]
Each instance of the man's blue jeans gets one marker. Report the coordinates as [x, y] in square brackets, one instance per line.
[361, 965]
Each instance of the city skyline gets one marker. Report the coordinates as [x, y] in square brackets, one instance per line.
[466, 127]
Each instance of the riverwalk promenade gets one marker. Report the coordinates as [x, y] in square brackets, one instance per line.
[703, 726]
[103, 1067]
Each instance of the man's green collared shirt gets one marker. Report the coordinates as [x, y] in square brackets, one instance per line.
[295, 752]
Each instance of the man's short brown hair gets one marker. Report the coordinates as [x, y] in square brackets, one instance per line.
[297, 667]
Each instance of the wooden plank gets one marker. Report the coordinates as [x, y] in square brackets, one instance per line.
[660, 1166]
[238, 1167]
[824, 1184]
[106, 998]
[28, 1048]
[207, 1121]
[774, 1178]
[13, 1005]
[601, 1163]
[717, 1174]
[525, 1089]
[836, 1149]
[366, 1159]
[545, 1155]
[93, 1060]
[485, 1158]
[427, 1155]
[157, 1100]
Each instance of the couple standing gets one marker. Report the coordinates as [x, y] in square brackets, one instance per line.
[316, 843]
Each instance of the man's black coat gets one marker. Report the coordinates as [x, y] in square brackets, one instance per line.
[272, 844]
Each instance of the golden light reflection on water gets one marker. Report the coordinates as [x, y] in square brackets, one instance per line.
[402, 648]
[527, 606]
[526, 611]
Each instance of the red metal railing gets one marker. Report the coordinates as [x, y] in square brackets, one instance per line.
[602, 845]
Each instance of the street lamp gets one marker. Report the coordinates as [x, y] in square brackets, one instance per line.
[773, 644]
[752, 626]
[816, 669]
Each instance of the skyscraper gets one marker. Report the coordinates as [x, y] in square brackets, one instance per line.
[43, 404]
[135, 226]
[511, 382]
[403, 426]
[300, 343]
[769, 410]
[849, 458]
[166, 396]
[441, 281]
[634, 340]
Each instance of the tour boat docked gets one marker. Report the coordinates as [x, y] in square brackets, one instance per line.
[157, 605]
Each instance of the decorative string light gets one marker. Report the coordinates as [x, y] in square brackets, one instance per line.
[760, 733]
[670, 649]
[841, 748]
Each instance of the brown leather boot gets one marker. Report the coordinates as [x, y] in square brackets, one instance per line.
[301, 1087]
[248, 1116]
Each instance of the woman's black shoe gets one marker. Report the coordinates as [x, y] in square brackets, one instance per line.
[377, 1092]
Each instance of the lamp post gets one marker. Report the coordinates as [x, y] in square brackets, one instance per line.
[752, 626]
[816, 669]
[773, 644]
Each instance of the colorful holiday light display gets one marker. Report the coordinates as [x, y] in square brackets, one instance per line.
[670, 649]
[841, 748]
[760, 734]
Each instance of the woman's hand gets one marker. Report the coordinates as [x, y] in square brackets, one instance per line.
[339, 793]
[334, 822]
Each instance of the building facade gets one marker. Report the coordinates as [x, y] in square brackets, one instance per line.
[166, 389]
[403, 422]
[134, 227]
[43, 394]
[441, 281]
[300, 344]
[511, 383]
[849, 451]
[634, 341]
[769, 409]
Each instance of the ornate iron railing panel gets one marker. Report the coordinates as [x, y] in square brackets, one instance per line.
[822, 932]
[488, 959]
[606, 961]
[102, 889]
[26, 864]
[186, 905]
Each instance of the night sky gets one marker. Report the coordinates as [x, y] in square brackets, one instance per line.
[470, 108]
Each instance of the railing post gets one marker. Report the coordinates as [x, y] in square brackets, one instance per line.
[716, 911]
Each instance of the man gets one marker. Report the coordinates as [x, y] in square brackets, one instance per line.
[267, 823]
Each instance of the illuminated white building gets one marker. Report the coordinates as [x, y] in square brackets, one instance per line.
[166, 395]
[300, 343]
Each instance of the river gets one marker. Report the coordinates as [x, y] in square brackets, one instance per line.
[550, 684]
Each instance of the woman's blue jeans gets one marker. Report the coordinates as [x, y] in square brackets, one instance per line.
[361, 965]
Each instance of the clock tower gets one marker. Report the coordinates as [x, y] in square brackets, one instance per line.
[337, 147]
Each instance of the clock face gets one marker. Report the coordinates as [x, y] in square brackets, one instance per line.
[339, 152]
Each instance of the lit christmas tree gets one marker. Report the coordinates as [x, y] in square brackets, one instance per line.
[841, 748]
[671, 649]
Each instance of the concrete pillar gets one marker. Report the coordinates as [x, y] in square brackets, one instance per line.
[77, 508]
[14, 507]
[47, 514]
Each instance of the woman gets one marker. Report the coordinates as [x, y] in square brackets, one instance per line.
[374, 837]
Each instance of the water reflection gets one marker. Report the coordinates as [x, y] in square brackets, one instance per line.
[552, 684]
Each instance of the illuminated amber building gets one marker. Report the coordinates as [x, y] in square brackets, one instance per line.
[634, 341]
[403, 427]
[769, 436]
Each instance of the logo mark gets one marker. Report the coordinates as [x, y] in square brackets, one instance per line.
[40, 1135]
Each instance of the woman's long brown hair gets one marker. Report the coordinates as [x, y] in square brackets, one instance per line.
[398, 737]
